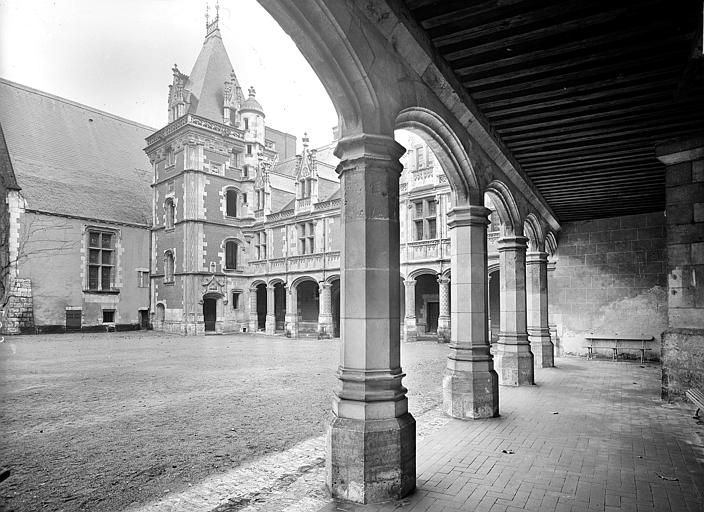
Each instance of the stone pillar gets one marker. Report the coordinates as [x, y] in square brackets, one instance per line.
[470, 384]
[292, 313]
[537, 309]
[444, 316]
[514, 360]
[270, 309]
[325, 311]
[683, 341]
[253, 319]
[371, 437]
[411, 333]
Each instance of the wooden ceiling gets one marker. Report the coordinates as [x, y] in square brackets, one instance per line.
[580, 91]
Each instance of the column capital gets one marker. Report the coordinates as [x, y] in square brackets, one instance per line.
[512, 243]
[324, 285]
[468, 216]
[534, 257]
[443, 279]
[409, 282]
[366, 146]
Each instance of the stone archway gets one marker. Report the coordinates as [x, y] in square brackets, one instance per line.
[212, 305]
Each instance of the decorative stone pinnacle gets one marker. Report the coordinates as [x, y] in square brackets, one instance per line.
[305, 140]
[252, 92]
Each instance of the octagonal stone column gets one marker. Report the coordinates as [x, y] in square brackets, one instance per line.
[253, 319]
[513, 357]
[537, 309]
[325, 311]
[270, 324]
[470, 384]
[411, 333]
[444, 313]
[371, 442]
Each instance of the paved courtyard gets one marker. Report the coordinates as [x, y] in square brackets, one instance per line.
[233, 423]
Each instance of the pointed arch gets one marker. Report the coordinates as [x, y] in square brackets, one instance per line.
[506, 207]
[551, 243]
[448, 149]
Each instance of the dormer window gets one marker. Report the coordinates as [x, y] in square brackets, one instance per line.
[305, 187]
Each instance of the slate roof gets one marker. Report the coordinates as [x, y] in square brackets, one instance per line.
[75, 160]
[7, 173]
[207, 79]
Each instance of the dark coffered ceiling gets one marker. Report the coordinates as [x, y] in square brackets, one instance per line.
[579, 91]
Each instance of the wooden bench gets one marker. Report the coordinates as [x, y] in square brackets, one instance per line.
[616, 342]
[696, 396]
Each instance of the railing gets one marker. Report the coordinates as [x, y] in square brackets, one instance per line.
[423, 250]
[327, 205]
[200, 122]
[301, 263]
[303, 204]
[277, 265]
[280, 215]
[259, 214]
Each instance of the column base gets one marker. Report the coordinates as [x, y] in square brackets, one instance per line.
[542, 347]
[371, 461]
[325, 329]
[444, 329]
[470, 389]
[410, 332]
[514, 360]
[291, 329]
[253, 324]
[270, 325]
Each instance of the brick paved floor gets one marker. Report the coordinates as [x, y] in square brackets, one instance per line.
[591, 435]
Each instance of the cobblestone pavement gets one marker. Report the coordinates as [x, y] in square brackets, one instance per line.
[591, 435]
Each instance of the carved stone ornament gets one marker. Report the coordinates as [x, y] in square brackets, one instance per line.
[213, 284]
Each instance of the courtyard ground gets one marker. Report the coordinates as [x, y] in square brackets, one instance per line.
[234, 424]
[109, 421]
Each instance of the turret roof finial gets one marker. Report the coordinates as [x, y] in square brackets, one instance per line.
[305, 140]
[211, 27]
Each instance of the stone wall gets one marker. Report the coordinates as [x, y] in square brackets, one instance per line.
[610, 277]
[19, 312]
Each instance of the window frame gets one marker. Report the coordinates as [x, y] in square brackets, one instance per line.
[234, 247]
[169, 267]
[169, 214]
[235, 197]
[425, 219]
[99, 262]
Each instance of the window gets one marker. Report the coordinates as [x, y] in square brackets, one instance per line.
[249, 149]
[100, 260]
[246, 123]
[230, 255]
[260, 199]
[420, 157]
[170, 212]
[231, 202]
[306, 238]
[425, 220]
[236, 300]
[108, 316]
[304, 188]
[245, 171]
[143, 279]
[170, 157]
[169, 267]
[260, 245]
[244, 198]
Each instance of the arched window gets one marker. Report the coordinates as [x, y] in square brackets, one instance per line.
[169, 267]
[231, 202]
[230, 255]
[170, 210]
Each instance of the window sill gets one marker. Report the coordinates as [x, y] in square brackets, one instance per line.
[169, 283]
[112, 291]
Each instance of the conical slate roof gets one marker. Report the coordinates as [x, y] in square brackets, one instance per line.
[206, 81]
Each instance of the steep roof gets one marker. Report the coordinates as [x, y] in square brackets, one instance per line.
[75, 160]
[207, 78]
[7, 173]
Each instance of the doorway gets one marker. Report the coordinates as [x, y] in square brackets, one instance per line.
[209, 314]
[144, 319]
[433, 313]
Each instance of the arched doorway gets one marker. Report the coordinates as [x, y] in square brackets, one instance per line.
[427, 304]
[335, 293]
[160, 316]
[210, 313]
[261, 306]
[280, 306]
[307, 293]
[494, 305]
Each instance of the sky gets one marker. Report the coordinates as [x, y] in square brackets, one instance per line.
[117, 55]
